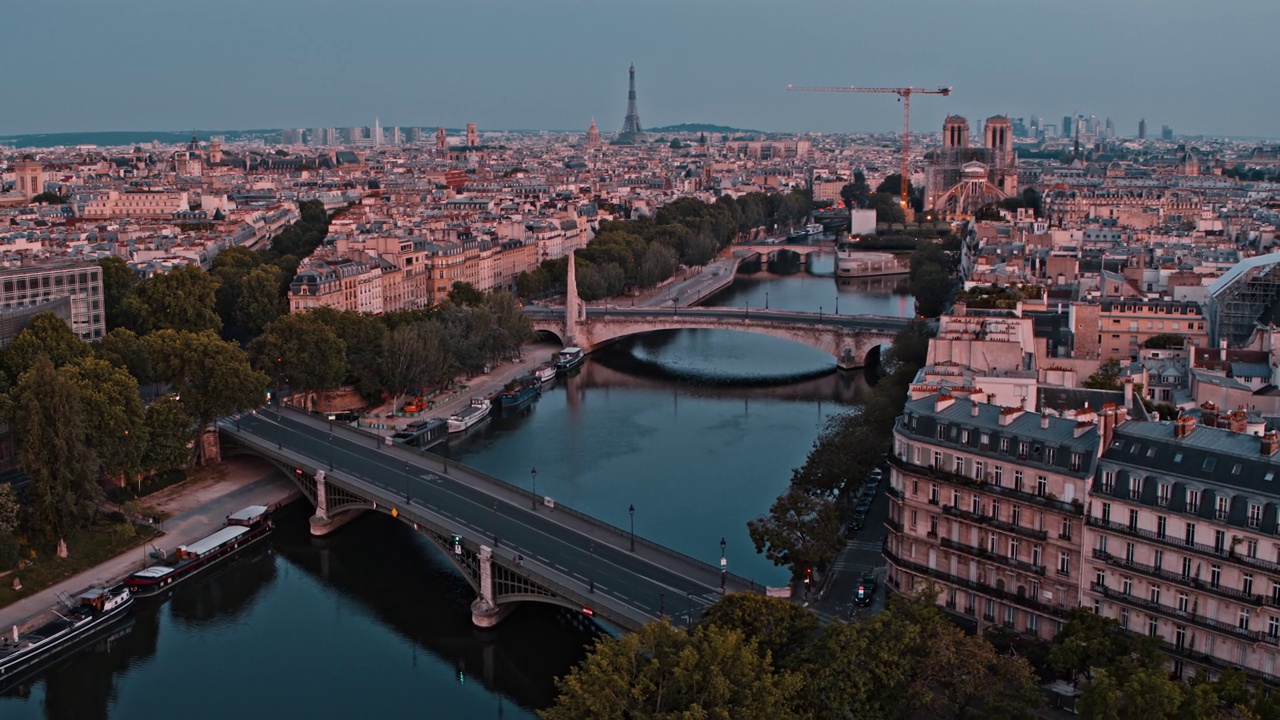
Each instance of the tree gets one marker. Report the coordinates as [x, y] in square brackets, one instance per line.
[510, 326]
[856, 193]
[1089, 640]
[363, 337]
[1164, 341]
[300, 351]
[10, 519]
[49, 197]
[124, 349]
[662, 672]
[892, 185]
[780, 628]
[658, 263]
[888, 208]
[169, 436]
[118, 434]
[801, 531]
[414, 357]
[118, 282]
[466, 294]
[47, 335]
[212, 376]
[260, 300]
[184, 299]
[49, 425]
[1107, 376]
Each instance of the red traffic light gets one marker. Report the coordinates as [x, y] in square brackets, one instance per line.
[297, 471]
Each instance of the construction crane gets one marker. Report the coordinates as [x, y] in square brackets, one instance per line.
[904, 95]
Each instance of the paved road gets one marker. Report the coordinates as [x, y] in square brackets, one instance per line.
[856, 322]
[863, 552]
[571, 551]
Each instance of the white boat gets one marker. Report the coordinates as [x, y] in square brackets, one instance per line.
[570, 358]
[545, 372]
[467, 417]
[23, 653]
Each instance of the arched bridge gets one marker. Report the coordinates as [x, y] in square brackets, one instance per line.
[850, 339]
[510, 544]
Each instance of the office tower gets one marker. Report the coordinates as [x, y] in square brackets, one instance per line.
[1142, 129]
[1166, 132]
[1067, 125]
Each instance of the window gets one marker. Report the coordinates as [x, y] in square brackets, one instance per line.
[1251, 548]
[1017, 480]
[964, 437]
[913, 519]
[1184, 603]
[1273, 627]
[1157, 561]
[937, 459]
[1255, 517]
[1215, 576]
[1133, 519]
[1162, 494]
[995, 509]
[1162, 523]
[1126, 586]
[1102, 543]
[1100, 577]
[1004, 445]
[1106, 512]
[1124, 618]
[942, 432]
[1042, 485]
[1153, 626]
[1065, 534]
[1243, 623]
[979, 469]
[1016, 515]
[1129, 552]
[1031, 623]
[933, 525]
[1219, 540]
[915, 487]
[1209, 464]
[959, 465]
[955, 499]
[1186, 568]
[1155, 594]
[1022, 449]
[933, 493]
[1222, 508]
[1193, 501]
[1135, 488]
[1050, 456]
[1108, 481]
[1035, 555]
[1013, 548]
[1075, 461]
[977, 505]
[998, 476]
[1190, 537]
[1064, 563]
[1246, 583]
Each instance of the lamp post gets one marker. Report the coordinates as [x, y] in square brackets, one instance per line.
[632, 510]
[533, 473]
[330, 452]
[724, 567]
[766, 299]
[747, 309]
[591, 567]
[819, 313]
[837, 304]
[408, 499]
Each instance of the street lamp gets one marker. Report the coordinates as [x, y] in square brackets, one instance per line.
[632, 510]
[724, 567]
[819, 312]
[408, 499]
[591, 567]
[330, 452]
[533, 473]
[747, 311]
[837, 304]
[766, 299]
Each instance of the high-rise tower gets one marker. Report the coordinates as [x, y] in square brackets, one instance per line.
[631, 131]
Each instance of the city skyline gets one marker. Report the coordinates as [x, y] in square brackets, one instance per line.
[262, 66]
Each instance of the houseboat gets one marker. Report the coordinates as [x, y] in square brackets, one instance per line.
[569, 359]
[519, 392]
[74, 622]
[469, 416]
[546, 372]
[242, 529]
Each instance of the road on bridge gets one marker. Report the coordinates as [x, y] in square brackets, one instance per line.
[854, 322]
[593, 558]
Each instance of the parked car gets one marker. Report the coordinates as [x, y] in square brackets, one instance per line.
[866, 591]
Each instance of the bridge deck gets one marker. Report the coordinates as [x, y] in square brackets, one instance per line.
[630, 587]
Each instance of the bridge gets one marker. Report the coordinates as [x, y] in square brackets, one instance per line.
[510, 544]
[853, 340]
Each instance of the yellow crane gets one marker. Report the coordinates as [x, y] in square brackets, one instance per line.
[904, 96]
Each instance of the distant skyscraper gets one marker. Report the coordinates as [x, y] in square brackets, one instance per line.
[1166, 132]
[631, 130]
[291, 136]
[1111, 128]
[1142, 129]
[377, 132]
[1067, 125]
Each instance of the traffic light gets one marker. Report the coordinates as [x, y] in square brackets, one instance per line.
[808, 575]
[457, 544]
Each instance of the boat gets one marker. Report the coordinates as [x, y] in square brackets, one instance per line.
[242, 529]
[546, 372]
[851, 262]
[467, 417]
[74, 623]
[569, 359]
[519, 392]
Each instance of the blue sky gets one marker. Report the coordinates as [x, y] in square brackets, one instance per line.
[77, 65]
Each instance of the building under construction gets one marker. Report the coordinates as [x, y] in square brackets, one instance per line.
[959, 179]
[1245, 297]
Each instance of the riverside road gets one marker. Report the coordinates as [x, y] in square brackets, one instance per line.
[594, 560]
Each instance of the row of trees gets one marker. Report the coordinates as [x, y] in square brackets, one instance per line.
[758, 657]
[648, 250]
[932, 279]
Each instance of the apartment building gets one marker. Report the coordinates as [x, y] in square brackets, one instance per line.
[340, 283]
[36, 286]
[1124, 324]
[139, 203]
[986, 505]
[1183, 542]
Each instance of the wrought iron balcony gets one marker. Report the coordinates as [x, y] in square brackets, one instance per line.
[1183, 616]
[1023, 601]
[1177, 578]
[1224, 553]
[993, 522]
[993, 557]
[936, 473]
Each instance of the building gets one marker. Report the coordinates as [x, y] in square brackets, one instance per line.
[959, 179]
[593, 136]
[28, 176]
[1166, 133]
[39, 286]
[986, 504]
[1125, 323]
[138, 204]
[1245, 296]
[473, 135]
[1181, 533]
[1142, 129]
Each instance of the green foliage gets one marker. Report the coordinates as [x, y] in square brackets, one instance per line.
[931, 278]
[169, 434]
[362, 335]
[1107, 377]
[892, 185]
[662, 672]
[183, 299]
[415, 357]
[124, 349]
[856, 193]
[464, 293]
[999, 297]
[47, 335]
[778, 627]
[1164, 341]
[49, 425]
[117, 435]
[301, 352]
[118, 281]
[10, 511]
[260, 301]
[50, 198]
[888, 208]
[801, 530]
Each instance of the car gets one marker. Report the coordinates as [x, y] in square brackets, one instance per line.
[863, 505]
[876, 474]
[856, 523]
[866, 591]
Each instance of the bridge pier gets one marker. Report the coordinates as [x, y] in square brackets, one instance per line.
[321, 524]
[484, 612]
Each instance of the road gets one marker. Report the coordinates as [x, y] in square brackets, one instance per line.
[856, 322]
[863, 552]
[585, 557]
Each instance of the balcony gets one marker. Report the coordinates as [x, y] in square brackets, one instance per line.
[993, 557]
[1178, 579]
[1226, 554]
[1022, 601]
[1183, 616]
[893, 525]
[964, 481]
[892, 492]
[997, 524]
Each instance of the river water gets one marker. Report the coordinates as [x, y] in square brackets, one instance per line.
[698, 430]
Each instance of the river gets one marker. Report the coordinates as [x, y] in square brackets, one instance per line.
[698, 430]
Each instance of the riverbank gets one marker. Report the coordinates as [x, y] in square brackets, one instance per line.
[195, 508]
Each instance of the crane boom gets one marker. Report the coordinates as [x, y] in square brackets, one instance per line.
[905, 95]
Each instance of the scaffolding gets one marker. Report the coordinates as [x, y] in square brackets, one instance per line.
[1245, 296]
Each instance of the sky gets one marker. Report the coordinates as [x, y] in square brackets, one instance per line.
[82, 65]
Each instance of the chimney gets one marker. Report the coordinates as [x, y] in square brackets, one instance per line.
[1183, 426]
[1269, 443]
[1222, 350]
[973, 408]
[1009, 414]
[1128, 392]
[1106, 424]
[1044, 421]
[943, 402]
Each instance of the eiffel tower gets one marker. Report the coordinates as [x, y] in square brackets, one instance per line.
[631, 132]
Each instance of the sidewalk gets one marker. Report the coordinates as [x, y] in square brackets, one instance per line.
[196, 508]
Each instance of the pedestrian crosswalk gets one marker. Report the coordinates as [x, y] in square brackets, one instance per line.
[864, 545]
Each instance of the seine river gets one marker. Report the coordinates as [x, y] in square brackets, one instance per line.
[699, 430]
